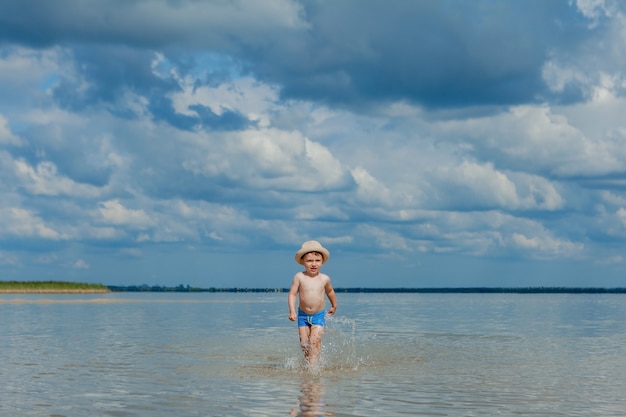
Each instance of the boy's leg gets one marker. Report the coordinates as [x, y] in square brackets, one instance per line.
[315, 343]
[305, 340]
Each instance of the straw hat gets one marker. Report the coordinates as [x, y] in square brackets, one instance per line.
[312, 246]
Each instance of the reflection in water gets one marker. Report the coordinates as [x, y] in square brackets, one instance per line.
[310, 398]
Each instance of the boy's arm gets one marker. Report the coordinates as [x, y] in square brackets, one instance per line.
[291, 298]
[330, 293]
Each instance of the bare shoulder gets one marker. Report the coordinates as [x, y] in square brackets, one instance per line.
[295, 283]
[298, 278]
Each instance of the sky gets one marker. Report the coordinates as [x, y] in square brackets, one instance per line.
[424, 143]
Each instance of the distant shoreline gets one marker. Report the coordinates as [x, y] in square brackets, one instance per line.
[465, 290]
[61, 287]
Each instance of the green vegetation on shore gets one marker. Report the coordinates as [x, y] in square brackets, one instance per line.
[51, 287]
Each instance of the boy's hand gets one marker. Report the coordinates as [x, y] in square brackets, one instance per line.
[331, 311]
[293, 316]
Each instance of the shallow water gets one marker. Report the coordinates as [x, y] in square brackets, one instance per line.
[128, 354]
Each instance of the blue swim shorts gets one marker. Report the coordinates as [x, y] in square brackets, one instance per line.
[317, 319]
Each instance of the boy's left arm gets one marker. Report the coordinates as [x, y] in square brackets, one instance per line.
[330, 293]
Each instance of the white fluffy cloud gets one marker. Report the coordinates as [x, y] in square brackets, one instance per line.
[6, 136]
[44, 179]
[269, 159]
[17, 222]
[244, 95]
[535, 140]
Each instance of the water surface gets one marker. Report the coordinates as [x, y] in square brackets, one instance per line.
[225, 354]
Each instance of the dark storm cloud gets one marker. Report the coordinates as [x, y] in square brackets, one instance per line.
[442, 54]
[448, 53]
[106, 73]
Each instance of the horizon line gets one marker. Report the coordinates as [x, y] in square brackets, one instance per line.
[552, 289]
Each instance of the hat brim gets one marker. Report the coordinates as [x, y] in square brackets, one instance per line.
[319, 249]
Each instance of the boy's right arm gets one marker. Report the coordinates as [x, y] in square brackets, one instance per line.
[291, 298]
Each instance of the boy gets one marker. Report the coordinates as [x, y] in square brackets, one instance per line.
[310, 285]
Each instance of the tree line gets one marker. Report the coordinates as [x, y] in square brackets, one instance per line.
[466, 290]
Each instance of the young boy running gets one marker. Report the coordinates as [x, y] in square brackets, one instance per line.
[310, 286]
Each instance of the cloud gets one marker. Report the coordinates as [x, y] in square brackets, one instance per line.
[21, 223]
[413, 132]
[269, 158]
[321, 51]
[147, 23]
[6, 136]
[28, 74]
[533, 139]
[80, 264]
[44, 180]
[427, 53]
[113, 212]
[596, 9]
[481, 186]
[370, 190]
[546, 246]
[244, 96]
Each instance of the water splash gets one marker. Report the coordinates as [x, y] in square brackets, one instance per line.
[338, 354]
[339, 345]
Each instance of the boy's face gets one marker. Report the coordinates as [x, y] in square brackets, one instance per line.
[312, 262]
